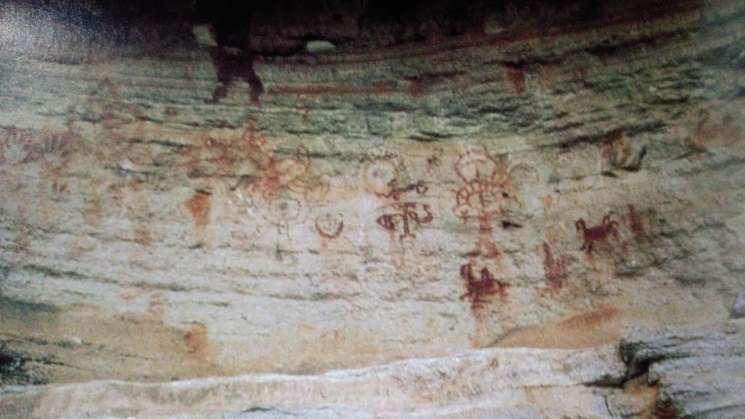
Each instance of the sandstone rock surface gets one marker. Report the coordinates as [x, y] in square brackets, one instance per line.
[684, 372]
[179, 205]
[700, 372]
[738, 308]
[492, 382]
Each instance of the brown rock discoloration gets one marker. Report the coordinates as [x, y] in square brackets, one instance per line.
[485, 246]
[278, 176]
[717, 129]
[591, 328]
[592, 318]
[196, 341]
[618, 152]
[83, 343]
[199, 208]
[554, 269]
[53, 145]
[636, 223]
[50, 148]
[516, 77]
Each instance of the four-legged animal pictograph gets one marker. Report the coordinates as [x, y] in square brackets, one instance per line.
[598, 233]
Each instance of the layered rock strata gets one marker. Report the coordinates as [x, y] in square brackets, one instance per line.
[205, 209]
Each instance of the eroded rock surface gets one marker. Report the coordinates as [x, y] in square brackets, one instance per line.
[493, 382]
[182, 203]
[738, 308]
[688, 372]
[700, 372]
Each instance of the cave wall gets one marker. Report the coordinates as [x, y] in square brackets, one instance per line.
[180, 203]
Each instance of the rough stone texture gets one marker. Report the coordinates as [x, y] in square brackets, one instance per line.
[701, 372]
[738, 308]
[194, 210]
[493, 383]
[684, 372]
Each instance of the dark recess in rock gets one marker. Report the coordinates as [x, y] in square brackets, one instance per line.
[13, 370]
[282, 27]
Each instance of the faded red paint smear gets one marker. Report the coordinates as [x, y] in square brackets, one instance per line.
[196, 340]
[417, 88]
[485, 247]
[711, 132]
[554, 269]
[516, 76]
[199, 208]
[277, 174]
